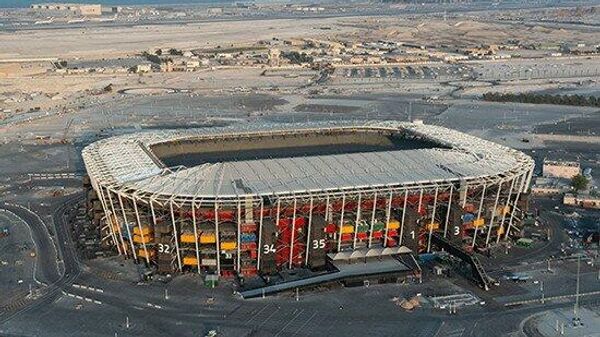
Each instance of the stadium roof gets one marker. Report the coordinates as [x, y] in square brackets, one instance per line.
[126, 162]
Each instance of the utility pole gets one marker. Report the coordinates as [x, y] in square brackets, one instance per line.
[576, 319]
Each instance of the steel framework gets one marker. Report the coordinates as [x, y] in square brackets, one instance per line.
[199, 218]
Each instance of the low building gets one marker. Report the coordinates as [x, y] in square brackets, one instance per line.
[143, 68]
[582, 200]
[357, 60]
[560, 168]
[274, 57]
[69, 8]
[551, 186]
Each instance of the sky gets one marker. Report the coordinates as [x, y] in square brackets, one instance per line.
[27, 3]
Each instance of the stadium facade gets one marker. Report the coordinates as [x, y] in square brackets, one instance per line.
[258, 199]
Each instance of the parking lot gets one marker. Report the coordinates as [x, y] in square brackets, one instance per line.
[409, 72]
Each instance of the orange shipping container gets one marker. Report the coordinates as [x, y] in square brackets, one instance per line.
[142, 239]
[188, 238]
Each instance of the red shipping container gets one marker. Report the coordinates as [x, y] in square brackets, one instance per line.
[391, 242]
[290, 212]
[469, 208]
[226, 215]
[208, 214]
[350, 206]
[413, 199]
[320, 208]
[300, 222]
[347, 237]
[248, 246]
[284, 224]
[397, 202]
[304, 208]
[248, 227]
[367, 205]
[265, 212]
[249, 272]
[362, 236]
[331, 228]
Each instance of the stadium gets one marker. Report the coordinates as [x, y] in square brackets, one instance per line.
[258, 199]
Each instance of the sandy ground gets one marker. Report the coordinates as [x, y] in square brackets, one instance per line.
[103, 42]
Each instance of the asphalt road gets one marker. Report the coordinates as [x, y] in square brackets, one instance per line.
[46, 252]
[366, 311]
[47, 258]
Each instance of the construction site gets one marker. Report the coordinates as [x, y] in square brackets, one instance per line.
[265, 199]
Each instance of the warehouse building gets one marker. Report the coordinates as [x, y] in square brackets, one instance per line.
[69, 8]
[560, 168]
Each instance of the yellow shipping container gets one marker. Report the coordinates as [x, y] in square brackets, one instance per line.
[394, 224]
[188, 238]
[347, 229]
[503, 210]
[190, 261]
[500, 230]
[145, 230]
[142, 239]
[478, 222]
[208, 238]
[228, 245]
[142, 253]
[433, 226]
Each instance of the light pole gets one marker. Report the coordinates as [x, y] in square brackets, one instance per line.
[576, 318]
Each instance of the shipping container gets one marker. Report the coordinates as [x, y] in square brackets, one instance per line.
[469, 208]
[362, 236]
[142, 253]
[209, 262]
[347, 229]
[433, 226]
[228, 245]
[142, 239]
[208, 238]
[377, 235]
[190, 261]
[188, 238]
[378, 226]
[248, 227]
[330, 228]
[347, 237]
[394, 224]
[468, 217]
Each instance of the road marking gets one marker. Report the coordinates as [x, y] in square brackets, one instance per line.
[439, 329]
[290, 322]
[305, 323]
[559, 297]
[256, 314]
[265, 320]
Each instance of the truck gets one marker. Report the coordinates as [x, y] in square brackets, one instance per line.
[4, 232]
